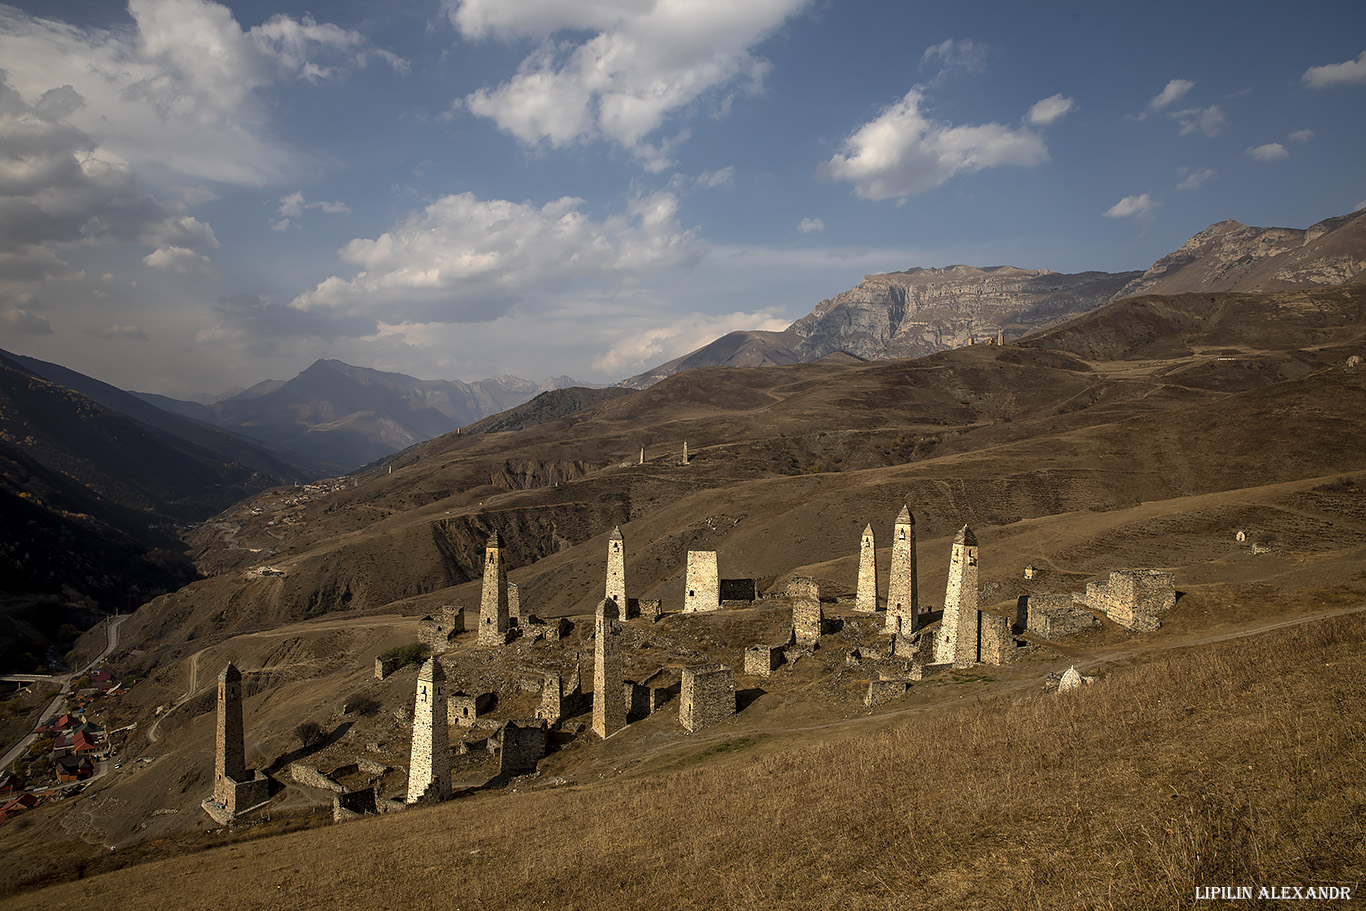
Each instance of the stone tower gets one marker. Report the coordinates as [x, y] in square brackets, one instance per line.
[866, 599]
[702, 582]
[958, 630]
[903, 595]
[230, 764]
[493, 606]
[616, 571]
[609, 703]
[429, 770]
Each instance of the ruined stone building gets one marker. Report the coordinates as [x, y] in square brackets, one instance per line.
[903, 591]
[551, 709]
[514, 605]
[1053, 616]
[609, 703]
[707, 696]
[763, 660]
[866, 598]
[808, 620]
[616, 572]
[437, 633]
[429, 769]
[957, 644]
[521, 746]
[1134, 597]
[236, 788]
[703, 582]
[493, 604]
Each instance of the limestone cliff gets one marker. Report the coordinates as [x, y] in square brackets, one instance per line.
[1230, 256]
[920, 311]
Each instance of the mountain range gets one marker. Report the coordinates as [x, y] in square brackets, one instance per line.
[345, 416]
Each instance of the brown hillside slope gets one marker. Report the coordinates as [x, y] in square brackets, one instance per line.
[1230, 762]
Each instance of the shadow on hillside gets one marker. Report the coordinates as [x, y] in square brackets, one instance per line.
[745, 698]
[284, 759]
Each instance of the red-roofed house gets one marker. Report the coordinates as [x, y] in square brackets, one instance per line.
[85, 742]
[74, 768]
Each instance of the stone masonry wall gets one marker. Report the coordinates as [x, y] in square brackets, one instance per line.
[808, 620]
[1055, 616]
[958, 628]
[903, 587]
[762, 660]
[609, 706]
[616, 572]
[524, 744]
[866, 598]
[429, 769]
[702, 588]
[493, 602]
[996, 646]
[707, 696]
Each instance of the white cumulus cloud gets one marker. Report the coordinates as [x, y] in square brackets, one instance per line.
[647, 346]
[1301, 136]
[1332, 75]
[180, 261]
[1140, 206]
[646, 61]
[902, 152]
[810, 225]
[1194, 179]
[1051, 109]
[1271, 151]
[464, 259]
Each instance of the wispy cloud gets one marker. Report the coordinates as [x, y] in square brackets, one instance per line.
[1172, 92]
[1140, 207]
[1271, 151]
[1195, 179]
[1050, 110]
[1210, 121]
[810, 225]
[26, 322]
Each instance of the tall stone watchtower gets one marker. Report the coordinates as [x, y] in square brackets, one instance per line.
[903, 593]
[958, 630]
[230, 764]
[616, 571]
[429, 769]
[609, 700]
[866, 599]
[702, 582]
[493, 605]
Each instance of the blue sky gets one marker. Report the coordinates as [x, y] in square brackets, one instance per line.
[196, 196]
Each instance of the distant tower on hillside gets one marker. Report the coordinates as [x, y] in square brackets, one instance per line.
[429, 769]
[903, 593]
[616, 571]
[685, 452]
[866, 599]
[609, 700]
[493, 605]
[958, 630]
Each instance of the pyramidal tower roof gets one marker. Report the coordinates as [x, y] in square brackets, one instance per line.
[495, 540]
[868, 529]
[616, 533]
[230, 673]
[965, 537]
[431, 670]
[904, 517]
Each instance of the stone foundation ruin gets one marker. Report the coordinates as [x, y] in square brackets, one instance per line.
[707, 696]
[1134, 598]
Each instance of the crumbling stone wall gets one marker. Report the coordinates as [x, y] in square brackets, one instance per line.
[882, 691]
[1055, 616]
[763, 660]
[523, 745]
[514, 605]
[738, 592]
[903, 587]
[808, 619]
[651, 609]
[958, 628]
[384, 667]
[464, 709]
[352, 804]
[551, 709]
[702, 586]
[308, 775]
[995, 645]
[438, 632]
[707, 696]
[866, 598]
[493, 602]
[429, 769]
[1134, 597]
[609, 707]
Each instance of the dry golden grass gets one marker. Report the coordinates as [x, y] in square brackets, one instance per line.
[1228, 764]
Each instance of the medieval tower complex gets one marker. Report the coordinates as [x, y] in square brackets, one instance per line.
[429, 770]
[493, 605]
[958, 630]
[609, 702]
[903, 595]
[616, 571]
[702, 582]
[866, 599]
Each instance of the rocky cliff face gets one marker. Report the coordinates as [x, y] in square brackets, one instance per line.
[1230, 256]
[918, 312]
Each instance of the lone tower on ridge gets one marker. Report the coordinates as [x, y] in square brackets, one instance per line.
[903, 594]
[958, 630]
[866, 599]
[429, 770]
[616, 571]
[493, 605]
[230, 764]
